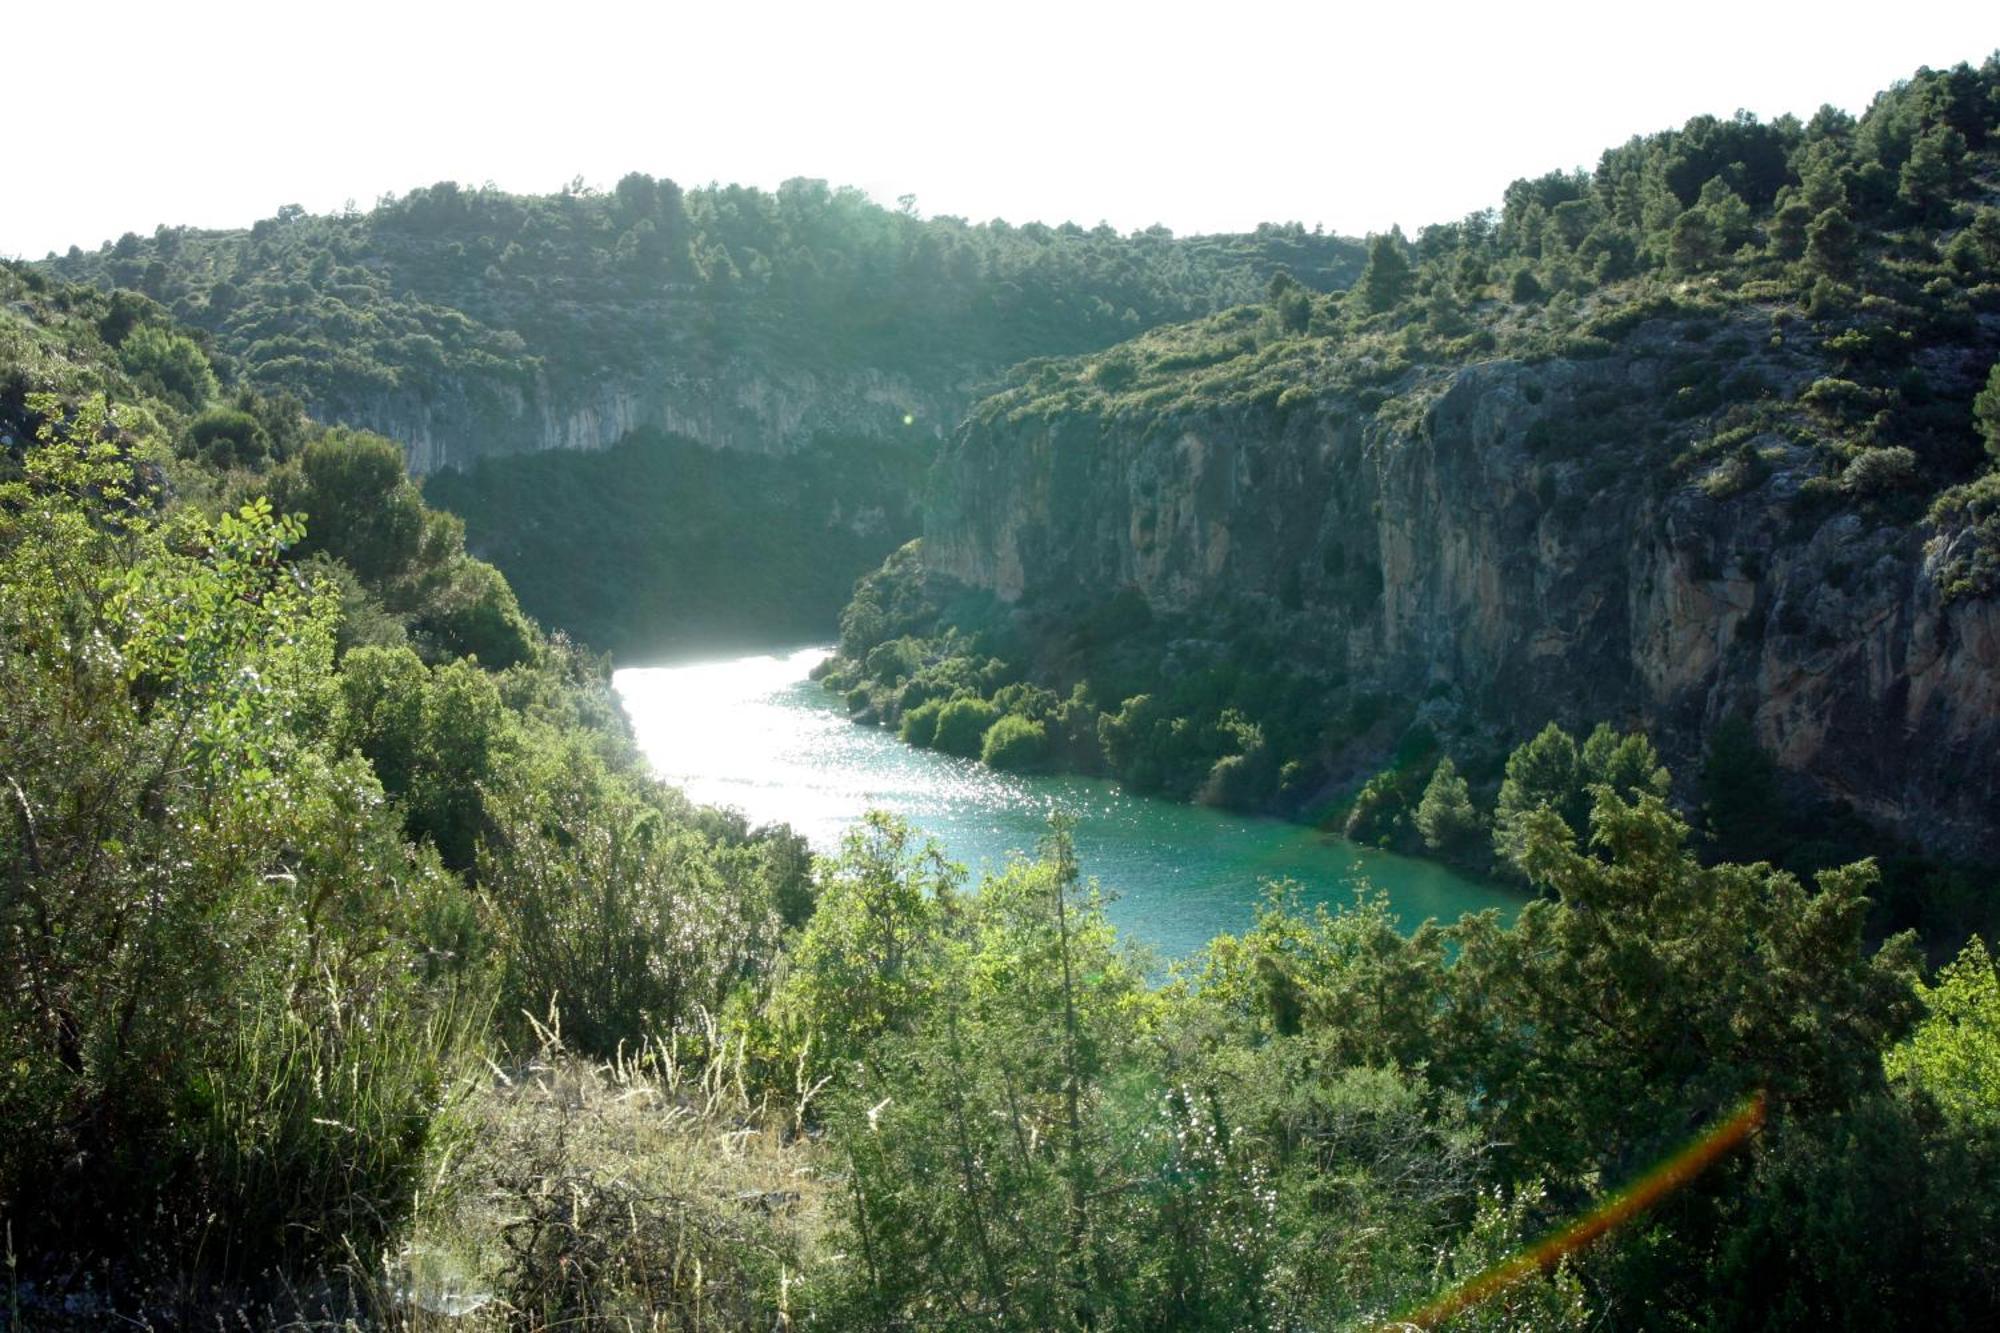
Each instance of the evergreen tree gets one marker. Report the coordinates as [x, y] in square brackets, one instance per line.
[1387, 279]
[1290, 302]
[1692, 246]
[1540, 775]
[1954, 1054]
[1727, 214]
[1830, 243]
[1445, 815]
[1552, 774]
[1788, 229]
[1986, 413]
[1925, 183]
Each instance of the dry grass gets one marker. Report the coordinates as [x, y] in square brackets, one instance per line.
[647, 1193]
[650, 1192]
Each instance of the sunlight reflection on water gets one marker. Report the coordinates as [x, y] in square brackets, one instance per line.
[755, 734]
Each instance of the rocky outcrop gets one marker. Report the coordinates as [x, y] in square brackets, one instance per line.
[1517, 541]
[757, 405]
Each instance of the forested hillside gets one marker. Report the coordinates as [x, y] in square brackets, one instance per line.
[833, 339]
[470, 322]
[1703, 441]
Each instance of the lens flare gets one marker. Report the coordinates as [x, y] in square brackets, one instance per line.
[1621, 1207]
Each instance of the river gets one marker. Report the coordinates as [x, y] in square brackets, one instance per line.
[756, 734]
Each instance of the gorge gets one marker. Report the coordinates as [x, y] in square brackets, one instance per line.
[436, 886]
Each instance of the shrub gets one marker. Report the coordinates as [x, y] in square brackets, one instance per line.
[1014, 743]
[865, 964]
[1239, 781]
[1380, 809]
[359, 505]
[434, 739]
[1445, 816]
[1116, 371]
[1841, 399]
[231, 1020]
[962, 724]
[170, 365]
[894, 662]
[474, 614]
[1741, 471]
[628, 925]
[1880, 471]
[920, 723]
[227, 437]
[1986, 413]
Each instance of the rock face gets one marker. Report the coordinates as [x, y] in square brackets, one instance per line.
[1513, 540]
[755, 405]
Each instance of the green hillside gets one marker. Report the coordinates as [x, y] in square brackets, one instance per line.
[448, 283]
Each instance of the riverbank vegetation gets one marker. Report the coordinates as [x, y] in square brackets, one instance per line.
[300, 811]
[1143, 700]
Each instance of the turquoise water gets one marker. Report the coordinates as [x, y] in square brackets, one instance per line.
[754, 733]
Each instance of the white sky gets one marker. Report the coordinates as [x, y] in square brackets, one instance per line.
[1205, 117]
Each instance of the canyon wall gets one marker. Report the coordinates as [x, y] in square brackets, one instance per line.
[1514, 543]
[756, 405]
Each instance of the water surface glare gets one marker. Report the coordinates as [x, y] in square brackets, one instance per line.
[754, 733]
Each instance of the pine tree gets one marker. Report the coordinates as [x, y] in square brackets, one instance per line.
[1830, 243]
[1445, 816]
[1386, 280]
[1986, 412]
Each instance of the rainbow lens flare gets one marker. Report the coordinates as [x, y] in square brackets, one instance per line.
[1621, 1207]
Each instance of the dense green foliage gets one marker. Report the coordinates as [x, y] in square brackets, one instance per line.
[1954, 1054]
[906, 661]
[446, 284]
[1013, 742]
[1326, 1120]
[300, 816]
[659, 544]
[1445, 817]
[284, 859]
[1239, 733]
[215, 1006]
[1548, 1062]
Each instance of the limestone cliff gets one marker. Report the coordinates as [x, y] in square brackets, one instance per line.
[1518, 542]
[755, 405]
